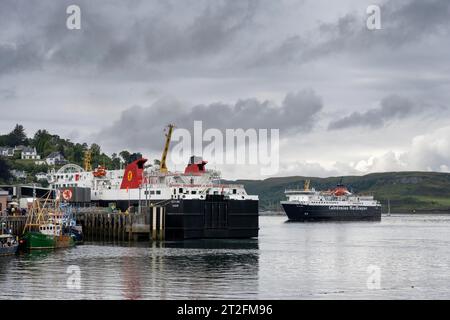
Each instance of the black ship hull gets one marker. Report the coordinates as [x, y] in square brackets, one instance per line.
[214, 217]
[299, 212]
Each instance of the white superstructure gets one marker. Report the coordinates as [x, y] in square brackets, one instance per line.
[340, 196]
[147, 183]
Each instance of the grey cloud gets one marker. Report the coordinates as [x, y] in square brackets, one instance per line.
[153, 38]
[7, 94]
[391, 107]
[141, 128]
[114, 35]
[16, 57]
[403, 22]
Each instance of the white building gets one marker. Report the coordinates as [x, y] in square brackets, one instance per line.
[55, 158]
[29, 154]
[18, 174]
[6, 152]
[42, 176]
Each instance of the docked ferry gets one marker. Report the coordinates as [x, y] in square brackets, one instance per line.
[196, 203]
[337, 204]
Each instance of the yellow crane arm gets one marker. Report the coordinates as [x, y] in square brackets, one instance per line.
[163, 166]
[306, 185]
[87, 160]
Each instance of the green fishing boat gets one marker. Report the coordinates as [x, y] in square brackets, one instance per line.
[44, 229]
[44, 239]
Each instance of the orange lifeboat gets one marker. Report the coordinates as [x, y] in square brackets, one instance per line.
[340, 190]
[100, 171]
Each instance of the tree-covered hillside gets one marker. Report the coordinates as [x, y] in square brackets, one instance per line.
[47, 143]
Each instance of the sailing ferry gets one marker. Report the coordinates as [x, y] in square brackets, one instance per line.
[337, 204]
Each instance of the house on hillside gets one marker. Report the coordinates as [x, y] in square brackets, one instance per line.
[41, 176]
[55, 159]
[19, 148]
[6, 152]
[19, 174]
[28, 153]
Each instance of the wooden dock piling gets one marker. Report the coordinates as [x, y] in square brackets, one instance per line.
[14, 223]
[99, 224]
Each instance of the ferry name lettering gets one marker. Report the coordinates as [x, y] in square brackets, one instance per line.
[347, 208]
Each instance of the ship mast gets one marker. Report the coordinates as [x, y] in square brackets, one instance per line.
[306, 185]
[163, 166]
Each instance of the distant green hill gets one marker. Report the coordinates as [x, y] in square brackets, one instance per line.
[407, 191]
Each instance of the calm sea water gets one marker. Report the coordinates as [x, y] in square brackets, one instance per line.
[402, 257]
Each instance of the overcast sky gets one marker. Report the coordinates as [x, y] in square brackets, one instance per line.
[347, 100]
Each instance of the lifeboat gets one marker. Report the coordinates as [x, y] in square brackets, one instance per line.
[340, 190]
[100, 171]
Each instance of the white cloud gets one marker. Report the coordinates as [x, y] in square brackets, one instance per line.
[427, 152]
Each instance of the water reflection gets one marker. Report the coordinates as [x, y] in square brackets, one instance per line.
[288, 261]
[193, 269]
[154, 270]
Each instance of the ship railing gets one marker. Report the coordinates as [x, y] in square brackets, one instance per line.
[298, 191]
[207, 185]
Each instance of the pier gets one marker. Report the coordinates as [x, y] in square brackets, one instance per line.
[214, 217]
[14, 223]
[101, 225]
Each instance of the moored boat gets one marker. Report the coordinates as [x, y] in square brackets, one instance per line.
[44, 229]
[8, 244]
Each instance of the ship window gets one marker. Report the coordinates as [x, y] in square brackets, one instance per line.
[180, 190]
[194, 192]
[158, 191]
[234, 191]
[174, 191]
[152, 191]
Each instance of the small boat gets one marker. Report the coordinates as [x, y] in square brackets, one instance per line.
[44, 228]
[49, 236]
[77, 233]
[8, 244]
[70, 225]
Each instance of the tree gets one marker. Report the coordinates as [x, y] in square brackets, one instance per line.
[135, 156]
[5, 174]
[78, 153]
[44, 183]
[125, 155]
[17, 136]
[95, 149]
[44, 142]
[116, 162]
[96, 155]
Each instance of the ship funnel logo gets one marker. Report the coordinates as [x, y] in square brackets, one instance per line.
[130, 175]
[67, 194]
